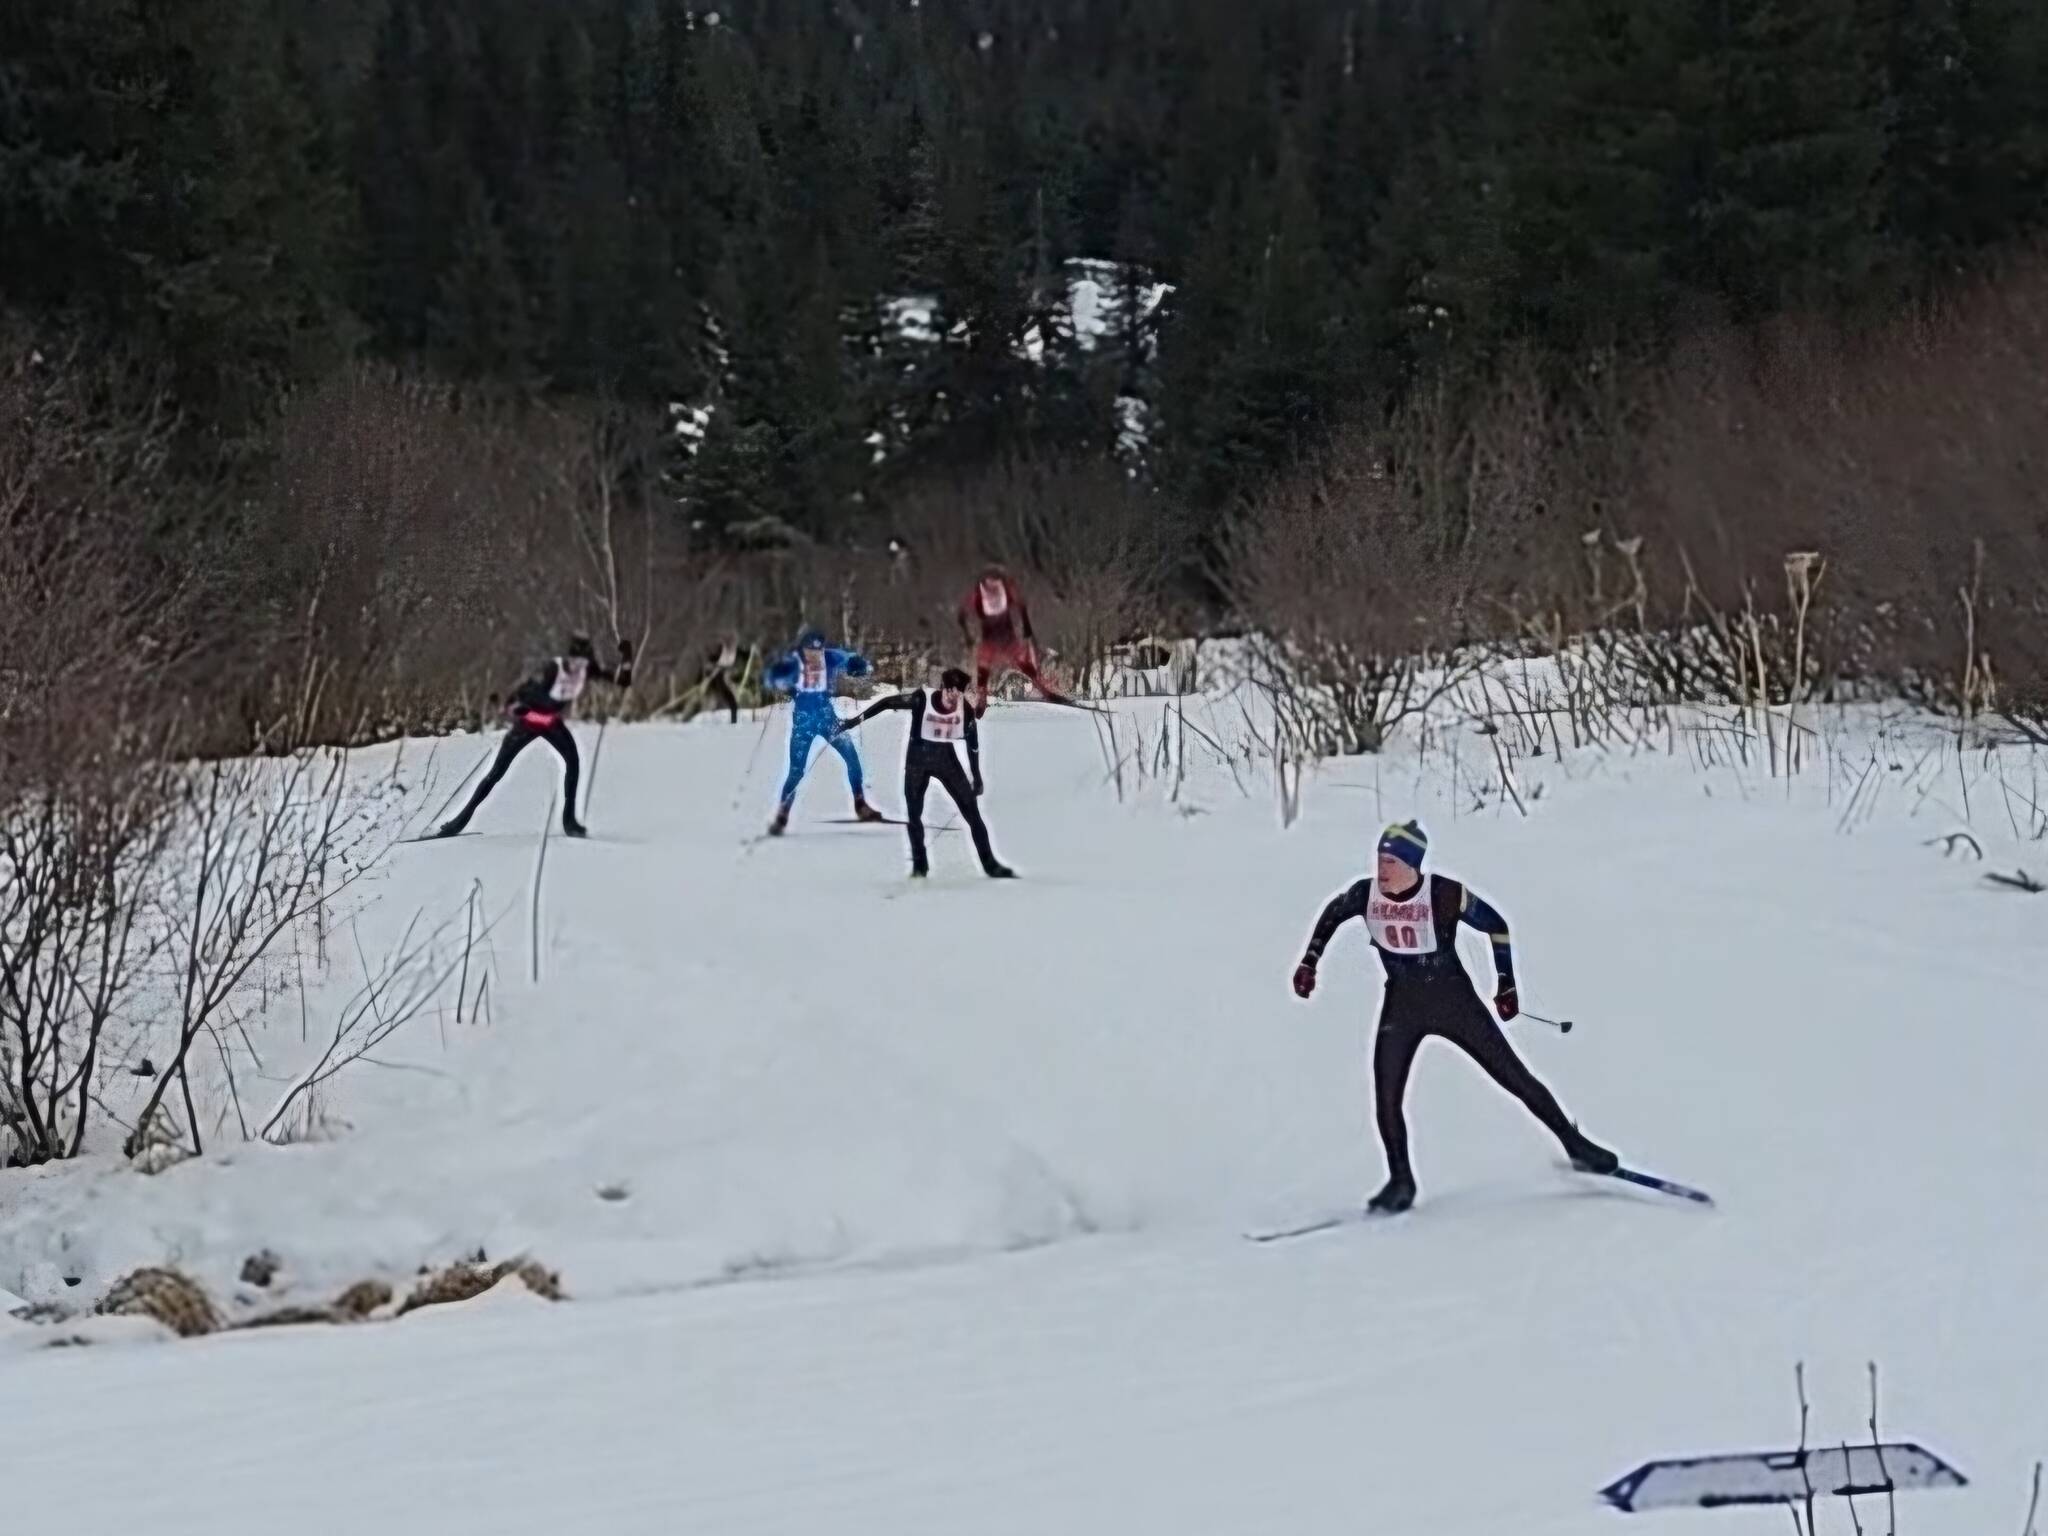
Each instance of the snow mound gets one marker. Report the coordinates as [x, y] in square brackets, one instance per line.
[1004, 1141]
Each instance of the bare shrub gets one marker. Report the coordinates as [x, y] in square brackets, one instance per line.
[80, 849]
[1097, 553]
[384, 524]
[393, 994]
[1908, 459]
[261, 847]
[93, 637]
[1355, 603]
[416, 538]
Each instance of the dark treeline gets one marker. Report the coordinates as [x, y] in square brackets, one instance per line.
[712, 203]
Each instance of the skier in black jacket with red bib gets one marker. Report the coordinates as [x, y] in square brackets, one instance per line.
[537, 707]
[939, 717]
[1412, 920]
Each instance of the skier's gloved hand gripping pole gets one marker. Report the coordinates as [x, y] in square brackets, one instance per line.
[1504, 1001]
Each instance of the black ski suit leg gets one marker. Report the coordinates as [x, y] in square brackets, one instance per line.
[1472, 1030]
[949, 773]
[560, 738]
[1400, 1036]
[516, 741]
[721, 690]
[917, 777]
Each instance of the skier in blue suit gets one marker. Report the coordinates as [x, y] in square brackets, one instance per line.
[809, 672]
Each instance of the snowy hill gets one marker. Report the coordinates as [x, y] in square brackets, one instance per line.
[996, 1146]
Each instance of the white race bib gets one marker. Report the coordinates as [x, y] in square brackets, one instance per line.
[816, 672]
[1403, 927]
[943, 728]
[995, 599]
[570, 676]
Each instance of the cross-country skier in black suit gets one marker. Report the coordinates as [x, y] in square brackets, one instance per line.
[939, 717]
[715, 683]
[537, 707]
[1412, 920]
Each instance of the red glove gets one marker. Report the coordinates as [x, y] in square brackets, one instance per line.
[1304, 978]
[1505, 1002]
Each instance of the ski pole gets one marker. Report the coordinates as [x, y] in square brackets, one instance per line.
[767, 714]
[596, 757]
[1562, 1026]
[540, 864]
[436, 817]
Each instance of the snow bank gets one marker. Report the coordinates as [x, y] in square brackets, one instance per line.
[749, 1059]
[780, 1056]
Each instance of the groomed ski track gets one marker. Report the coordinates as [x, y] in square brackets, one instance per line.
[935, 1206]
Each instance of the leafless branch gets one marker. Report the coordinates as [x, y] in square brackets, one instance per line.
[393, 993]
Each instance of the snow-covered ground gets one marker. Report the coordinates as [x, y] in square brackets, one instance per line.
[934, 1197]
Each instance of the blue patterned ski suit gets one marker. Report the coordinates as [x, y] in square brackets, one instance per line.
[809, 673]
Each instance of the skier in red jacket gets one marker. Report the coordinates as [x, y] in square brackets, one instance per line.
[994, 620]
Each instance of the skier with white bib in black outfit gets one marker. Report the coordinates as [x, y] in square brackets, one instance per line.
[939, 717]
[1412, 920]
[537, 708]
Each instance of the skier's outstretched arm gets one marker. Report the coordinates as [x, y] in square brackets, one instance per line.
[1341, 909]
[893, 701]
[783, 675]
[854, 664]
[1481, 914]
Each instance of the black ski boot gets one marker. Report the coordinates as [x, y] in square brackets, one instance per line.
[1590, 1157]
[1000, 872]
[571, 827]
[451, 829]
[1395, 1196]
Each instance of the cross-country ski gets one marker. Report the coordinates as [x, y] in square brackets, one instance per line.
[1653, 1181]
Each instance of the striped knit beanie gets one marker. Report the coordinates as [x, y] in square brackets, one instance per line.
[1406, 841]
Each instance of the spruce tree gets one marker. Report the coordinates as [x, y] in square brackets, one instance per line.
[1788, 139]
[165, 176]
